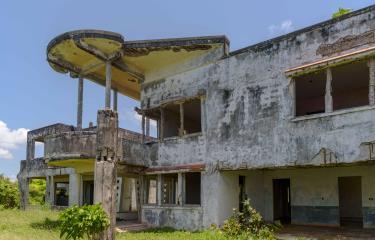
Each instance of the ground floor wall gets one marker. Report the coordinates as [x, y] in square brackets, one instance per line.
[314, 193]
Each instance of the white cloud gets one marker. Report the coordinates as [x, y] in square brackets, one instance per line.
[11, 139]
[282, 28]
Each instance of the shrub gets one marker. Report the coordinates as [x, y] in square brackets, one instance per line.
[247, 224]
[77, 222]
[341, 12]
[37, 191]
[9, 194]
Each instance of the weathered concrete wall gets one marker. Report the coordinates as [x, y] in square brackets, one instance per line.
[314, 193]
[70, 145]
[189, 218]
[249, 104]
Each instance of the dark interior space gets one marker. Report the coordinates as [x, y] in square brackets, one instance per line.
[193, 188]
[171, 120]
[242, 196]
[192, 116]
[350, 85]
[281, 200]
[310, 91]
[62, 194]
[350, 201]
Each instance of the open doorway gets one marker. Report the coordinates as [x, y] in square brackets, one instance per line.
[281, 200]
[350, 201]
[88, 192]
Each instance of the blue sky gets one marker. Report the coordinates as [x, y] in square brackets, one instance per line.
[33, 95]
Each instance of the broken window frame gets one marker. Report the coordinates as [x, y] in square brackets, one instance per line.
[328, 97]
[147, 180]
[158, 114]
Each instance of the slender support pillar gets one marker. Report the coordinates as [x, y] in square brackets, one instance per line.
[159, 190]
[74, 188]
[105, 167]
[80, 103]
[108, 79]
[115, 100]
[180, 189]
[147, 126]
[143, 127]
[30, 149]
[328, 94]
[371, 93]
[181, 133]
[161, 133]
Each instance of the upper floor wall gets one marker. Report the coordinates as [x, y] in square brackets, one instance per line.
[248, 109]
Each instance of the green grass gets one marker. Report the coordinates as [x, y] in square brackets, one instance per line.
[33, 224]
[43, 224]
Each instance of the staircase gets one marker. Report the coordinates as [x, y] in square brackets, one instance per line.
[130, 226]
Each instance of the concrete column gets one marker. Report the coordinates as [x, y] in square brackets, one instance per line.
[181, 119]
[328, 95]
[180, 189]
[371, 93]
[80, 103]
[143, 127]
[147, 126]
[161, 133]
[105, 167]
[159, 190]
[115, 100]
[23, 183]
[30, 149]
[74, 188]
[108, 79]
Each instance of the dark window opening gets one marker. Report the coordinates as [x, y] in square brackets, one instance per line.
[151, 189]
[88, 193]
[193, 188]
[62, 194]
[171, 120]
[192, 116]
[350, 85]
[310, 91]
[169, 189]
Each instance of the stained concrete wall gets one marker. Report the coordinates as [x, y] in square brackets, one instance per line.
[314, 193]
[249, 106]
[189, 218]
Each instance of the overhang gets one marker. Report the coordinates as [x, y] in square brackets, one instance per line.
[83, 53]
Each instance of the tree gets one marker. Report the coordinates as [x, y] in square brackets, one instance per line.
[9, 194]
[340, 12]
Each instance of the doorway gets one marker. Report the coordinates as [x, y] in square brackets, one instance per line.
[88, 193]
[350, 201]
[242, 195]
[281, 200]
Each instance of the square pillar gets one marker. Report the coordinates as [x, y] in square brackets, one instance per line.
[105, 167]
[30, 149]
[371, 93]
[23, 183]
[50, 190]
[80, 103]
[74, 188]
[159, 190]
[328, 94]
[180, 189]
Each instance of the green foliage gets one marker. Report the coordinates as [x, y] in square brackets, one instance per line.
[341, 12]
[37, 190]
[77, 222]
[9, 194]
[247, 224]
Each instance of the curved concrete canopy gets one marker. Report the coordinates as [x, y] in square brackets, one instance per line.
[85, 52]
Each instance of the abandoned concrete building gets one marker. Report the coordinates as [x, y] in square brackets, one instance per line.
[288, 123]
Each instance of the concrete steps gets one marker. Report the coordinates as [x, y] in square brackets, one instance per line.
[125, 226]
